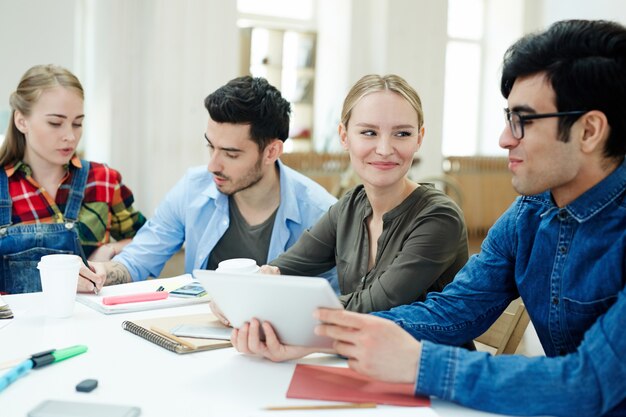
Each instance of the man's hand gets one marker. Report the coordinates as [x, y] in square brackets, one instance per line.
[375, 347]
[247, 339]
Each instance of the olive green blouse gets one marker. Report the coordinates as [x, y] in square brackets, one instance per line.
[422, 246]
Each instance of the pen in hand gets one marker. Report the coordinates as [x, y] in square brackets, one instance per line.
[84, 258]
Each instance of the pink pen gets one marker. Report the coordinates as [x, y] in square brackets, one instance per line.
[135, 298]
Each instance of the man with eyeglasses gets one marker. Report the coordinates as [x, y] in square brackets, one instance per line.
[245, 204]
[561, 247]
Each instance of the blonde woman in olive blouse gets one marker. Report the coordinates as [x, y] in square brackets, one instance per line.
[391, 239]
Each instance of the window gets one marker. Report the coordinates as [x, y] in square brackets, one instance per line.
[462, 95]
[479, 31]
[278, 48]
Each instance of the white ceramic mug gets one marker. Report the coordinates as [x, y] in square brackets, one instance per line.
[238, 266]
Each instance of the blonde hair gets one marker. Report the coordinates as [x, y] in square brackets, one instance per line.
[32, 84]
[373, 83]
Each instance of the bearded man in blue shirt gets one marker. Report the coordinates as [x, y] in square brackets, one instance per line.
[561, 246]
[244, 204]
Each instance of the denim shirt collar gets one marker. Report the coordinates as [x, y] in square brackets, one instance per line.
[593, 200]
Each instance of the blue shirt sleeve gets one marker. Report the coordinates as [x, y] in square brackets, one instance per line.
[588, 382]
[160, 238]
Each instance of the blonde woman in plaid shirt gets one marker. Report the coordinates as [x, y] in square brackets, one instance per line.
[50, 200]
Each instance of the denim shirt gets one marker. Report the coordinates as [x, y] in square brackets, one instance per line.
[569, 266]
[196, 212]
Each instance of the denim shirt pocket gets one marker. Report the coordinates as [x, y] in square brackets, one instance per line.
[581, 315]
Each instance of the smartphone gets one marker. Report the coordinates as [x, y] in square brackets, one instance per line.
[54, 408]
[202, 331]
[193, 289]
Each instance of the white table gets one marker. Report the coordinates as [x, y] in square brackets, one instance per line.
[133, 371]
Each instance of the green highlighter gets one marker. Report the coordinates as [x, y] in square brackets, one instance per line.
[61, 355]
[39, 360]
[54, 356]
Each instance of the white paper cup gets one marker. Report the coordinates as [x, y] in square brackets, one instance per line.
[238, 266]
[59, 278]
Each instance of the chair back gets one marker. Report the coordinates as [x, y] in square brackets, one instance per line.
[504, 336]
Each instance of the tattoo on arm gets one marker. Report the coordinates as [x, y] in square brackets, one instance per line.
[117, 274]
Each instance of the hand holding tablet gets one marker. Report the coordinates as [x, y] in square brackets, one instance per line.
[287, 302]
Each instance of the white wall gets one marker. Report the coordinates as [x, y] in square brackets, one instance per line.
[27, 39]
[554, 10]
[359, 37]
[154, 62]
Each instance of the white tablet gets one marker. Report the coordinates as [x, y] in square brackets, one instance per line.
[287, 302]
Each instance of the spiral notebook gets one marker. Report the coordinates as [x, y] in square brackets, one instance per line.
[153, 330]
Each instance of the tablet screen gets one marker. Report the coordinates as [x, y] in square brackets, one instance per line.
[287, 302]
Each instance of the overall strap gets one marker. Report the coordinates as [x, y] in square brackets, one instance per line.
[77, 192]
[5, 199]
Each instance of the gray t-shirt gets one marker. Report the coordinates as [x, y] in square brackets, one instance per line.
[242, 240]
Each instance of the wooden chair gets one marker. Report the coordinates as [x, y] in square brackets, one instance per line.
[505, 334]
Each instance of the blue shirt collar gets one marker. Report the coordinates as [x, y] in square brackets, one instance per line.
[288, 196]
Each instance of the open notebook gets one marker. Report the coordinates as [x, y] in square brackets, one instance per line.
[95, 300]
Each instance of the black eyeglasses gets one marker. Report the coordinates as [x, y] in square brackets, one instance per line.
[516, 120]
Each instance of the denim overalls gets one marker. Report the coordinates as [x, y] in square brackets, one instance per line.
[22, 246]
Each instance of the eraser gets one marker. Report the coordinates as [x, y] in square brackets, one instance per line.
[87, 385]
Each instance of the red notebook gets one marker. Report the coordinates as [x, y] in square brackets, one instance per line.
[343, 384]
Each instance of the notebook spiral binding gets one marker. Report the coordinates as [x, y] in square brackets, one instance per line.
[153, 337]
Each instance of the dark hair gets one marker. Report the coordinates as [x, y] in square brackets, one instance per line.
[253, 101]
[585, 61]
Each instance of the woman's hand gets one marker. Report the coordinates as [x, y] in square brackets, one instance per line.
[218, 313]
[92, 278]
[269, 270]
[247, 339]
[103, 254]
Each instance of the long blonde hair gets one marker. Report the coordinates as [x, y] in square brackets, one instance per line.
[373, 83]
[33, 83]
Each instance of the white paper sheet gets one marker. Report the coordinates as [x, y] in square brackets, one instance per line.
[95, 301]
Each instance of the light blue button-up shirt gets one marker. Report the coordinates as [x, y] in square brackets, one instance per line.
[195, 213]
[569, 266]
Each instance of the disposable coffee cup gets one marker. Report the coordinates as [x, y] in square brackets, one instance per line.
[59, 278]
[238, 266]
